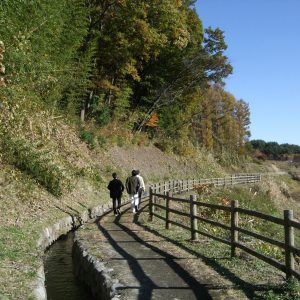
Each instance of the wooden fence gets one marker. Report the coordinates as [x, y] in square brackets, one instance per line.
[180, 185]
[166, 190]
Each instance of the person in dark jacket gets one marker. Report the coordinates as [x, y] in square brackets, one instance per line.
[132, 187]
[116, 189]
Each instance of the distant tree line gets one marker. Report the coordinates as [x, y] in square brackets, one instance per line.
[125, 63]
[273, 150]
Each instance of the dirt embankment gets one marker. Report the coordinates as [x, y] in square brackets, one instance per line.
[151, 161]
[296, 195]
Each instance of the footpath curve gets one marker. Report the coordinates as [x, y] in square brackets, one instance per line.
[146, 266]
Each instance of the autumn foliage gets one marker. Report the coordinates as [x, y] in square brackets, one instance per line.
[153, 121]
[129, 64]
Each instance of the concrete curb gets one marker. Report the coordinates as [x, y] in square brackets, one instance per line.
[50, 234]
[94, 273]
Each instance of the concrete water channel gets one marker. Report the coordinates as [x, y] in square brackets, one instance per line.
[60, 280]
[131, 263]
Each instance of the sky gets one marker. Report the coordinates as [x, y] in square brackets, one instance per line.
[263, 38]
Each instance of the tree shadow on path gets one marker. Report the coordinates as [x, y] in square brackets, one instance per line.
[238, 283]
[147, 285]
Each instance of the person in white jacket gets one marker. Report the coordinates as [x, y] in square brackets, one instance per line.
[142, 186]
[133, 187]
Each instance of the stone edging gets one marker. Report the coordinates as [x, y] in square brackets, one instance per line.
[94, 273]
[52, 233]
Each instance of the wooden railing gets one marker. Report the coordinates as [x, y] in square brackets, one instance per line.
[166, 190]
[180, 185]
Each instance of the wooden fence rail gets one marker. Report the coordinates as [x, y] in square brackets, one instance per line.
[166, 190]
[178, 186]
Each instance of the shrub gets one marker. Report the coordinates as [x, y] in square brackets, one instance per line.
[88, 137]
[100, 112]
[163, 145]
[118, 140]
[39, 164]
[102, 140]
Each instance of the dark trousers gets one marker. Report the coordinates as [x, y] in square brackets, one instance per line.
[116, 203]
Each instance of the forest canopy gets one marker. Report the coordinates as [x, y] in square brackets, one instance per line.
[147, 66]
[274, 150]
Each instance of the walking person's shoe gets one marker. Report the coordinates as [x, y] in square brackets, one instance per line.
[136, 208]
[118, 211]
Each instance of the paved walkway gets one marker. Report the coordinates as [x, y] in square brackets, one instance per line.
[149, 267]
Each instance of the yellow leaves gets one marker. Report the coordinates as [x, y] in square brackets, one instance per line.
[224, 201]
[204, 189]
[182, 37]
[131, 70]
[149, 40]
[106, 85]
[142, 27]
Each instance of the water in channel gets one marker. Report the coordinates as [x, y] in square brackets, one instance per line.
[60, 281]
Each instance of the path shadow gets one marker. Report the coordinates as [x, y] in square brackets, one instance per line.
[147, 286]
[238, 283]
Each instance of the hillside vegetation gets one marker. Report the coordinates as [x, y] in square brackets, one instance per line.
[118, 66]
[90, 87]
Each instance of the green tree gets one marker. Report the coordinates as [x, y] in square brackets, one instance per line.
[42, 40]
[243, 123]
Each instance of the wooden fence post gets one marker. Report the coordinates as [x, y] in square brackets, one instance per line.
[167, 210]
[289, 241]
[234, 224]
[151, 204]
[155, 197]
[158, 199]
[194, 221]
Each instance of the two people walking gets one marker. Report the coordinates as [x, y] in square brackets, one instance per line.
[135, 187]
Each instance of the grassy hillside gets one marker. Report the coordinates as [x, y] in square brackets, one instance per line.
[48, 172]
[58, 174]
